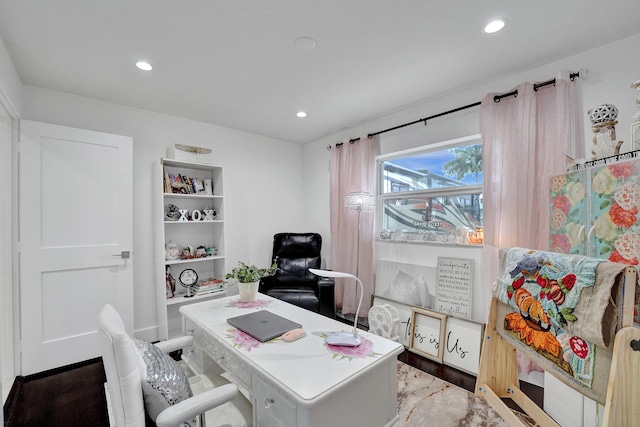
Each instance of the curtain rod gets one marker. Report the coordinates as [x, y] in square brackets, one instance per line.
[496, 98]
[536, 86]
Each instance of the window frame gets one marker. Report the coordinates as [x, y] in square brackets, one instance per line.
[426, 193]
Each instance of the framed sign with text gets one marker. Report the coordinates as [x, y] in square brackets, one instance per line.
[462, 344]
[454, 286]
[427, 338]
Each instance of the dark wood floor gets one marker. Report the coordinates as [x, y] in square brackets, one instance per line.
[64, 397]
[75, 396]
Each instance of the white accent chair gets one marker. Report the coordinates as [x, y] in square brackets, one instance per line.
[384, 321]
[124, 381]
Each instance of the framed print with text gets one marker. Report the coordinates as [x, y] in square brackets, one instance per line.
[427, 337]
[462, 344]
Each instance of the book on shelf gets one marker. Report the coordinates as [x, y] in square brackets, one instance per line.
[209, 285]
[182, 184]
[209, 291]
[167, 182]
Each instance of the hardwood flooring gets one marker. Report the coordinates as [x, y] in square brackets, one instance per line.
[64, 397]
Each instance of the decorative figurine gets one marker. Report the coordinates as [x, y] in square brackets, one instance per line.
[171, 283]
[172, 213]
[635, 120]
[636, 116]
[603, 122]
[187, 252]
[172, 250]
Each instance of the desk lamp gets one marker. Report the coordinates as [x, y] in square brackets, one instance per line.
[346, 339]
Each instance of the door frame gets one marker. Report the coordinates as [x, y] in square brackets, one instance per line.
[9, 319]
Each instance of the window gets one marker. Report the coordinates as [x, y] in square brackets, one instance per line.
[430, 192]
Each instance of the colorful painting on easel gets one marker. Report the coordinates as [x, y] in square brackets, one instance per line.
[543, 288]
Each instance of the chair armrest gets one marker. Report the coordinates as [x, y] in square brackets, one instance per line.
[174, 344]
[196, 405]
[266, 283]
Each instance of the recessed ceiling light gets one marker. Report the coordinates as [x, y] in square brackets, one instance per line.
[144, 66]
[301, 114]
[495, 26]
[305, 43]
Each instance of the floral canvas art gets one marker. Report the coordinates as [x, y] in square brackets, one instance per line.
[595, 212]
[601, 204]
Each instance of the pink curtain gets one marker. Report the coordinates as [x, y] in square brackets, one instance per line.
[525, 140]
[352, 169]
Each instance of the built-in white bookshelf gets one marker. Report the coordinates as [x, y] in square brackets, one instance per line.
[197, 223]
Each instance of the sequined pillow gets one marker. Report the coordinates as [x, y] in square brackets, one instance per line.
[164, 383]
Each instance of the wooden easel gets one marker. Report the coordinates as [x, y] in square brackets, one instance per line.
[498, 371]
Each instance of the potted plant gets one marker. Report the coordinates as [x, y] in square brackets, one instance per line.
[248, 278]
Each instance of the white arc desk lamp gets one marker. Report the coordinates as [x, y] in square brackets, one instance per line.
[346, 339]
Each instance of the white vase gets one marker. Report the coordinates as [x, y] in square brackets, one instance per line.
[248, 291]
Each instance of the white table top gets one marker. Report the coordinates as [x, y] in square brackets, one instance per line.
[307, 368]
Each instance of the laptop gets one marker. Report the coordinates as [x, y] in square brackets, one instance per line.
[263, 325]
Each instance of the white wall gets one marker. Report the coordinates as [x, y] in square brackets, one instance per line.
[262, 179]
[10, 84]
[612, 69]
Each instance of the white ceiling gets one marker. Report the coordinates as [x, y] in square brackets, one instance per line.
[234, 63]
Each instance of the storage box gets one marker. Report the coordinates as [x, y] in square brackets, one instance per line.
[189, 153]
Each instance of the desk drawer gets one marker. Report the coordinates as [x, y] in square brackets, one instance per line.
[194, 354]
[232, 364]
[224, 357]
[271, 408]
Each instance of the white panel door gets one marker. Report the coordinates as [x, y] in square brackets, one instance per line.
[75, 222]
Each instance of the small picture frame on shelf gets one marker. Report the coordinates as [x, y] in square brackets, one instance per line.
[635, 136]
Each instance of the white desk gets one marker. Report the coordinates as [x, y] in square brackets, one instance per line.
[301, 383]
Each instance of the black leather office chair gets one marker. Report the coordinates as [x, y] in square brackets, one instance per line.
[296, 253]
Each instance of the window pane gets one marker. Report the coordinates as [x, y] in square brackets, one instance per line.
[443, 213]
[450, 167]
